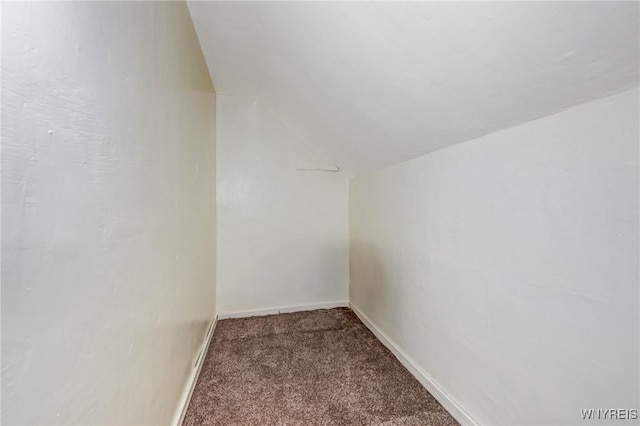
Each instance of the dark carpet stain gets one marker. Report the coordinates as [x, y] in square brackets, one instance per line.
[319, 367]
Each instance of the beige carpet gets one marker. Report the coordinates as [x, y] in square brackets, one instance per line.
[306, 368]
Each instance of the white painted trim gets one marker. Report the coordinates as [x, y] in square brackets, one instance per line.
[431, 385]
[284, 310]
[185, 398]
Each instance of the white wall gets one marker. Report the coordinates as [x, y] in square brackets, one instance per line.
[507, 267]
[282, 232]
[108, 204]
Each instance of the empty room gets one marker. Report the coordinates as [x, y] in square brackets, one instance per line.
[320, 213]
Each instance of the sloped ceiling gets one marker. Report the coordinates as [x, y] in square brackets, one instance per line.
[371, 84]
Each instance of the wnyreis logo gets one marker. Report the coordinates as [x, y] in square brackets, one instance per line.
[609, 414]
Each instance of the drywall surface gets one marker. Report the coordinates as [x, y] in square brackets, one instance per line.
[507, 267]
[375, 83]
[108, 204]
[282, 232]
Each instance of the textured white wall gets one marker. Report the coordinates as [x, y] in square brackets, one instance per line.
[507, 267]
[108, 204]
[282, 233]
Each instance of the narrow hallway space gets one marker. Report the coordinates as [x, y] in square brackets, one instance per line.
[303, 213]
[313, 367]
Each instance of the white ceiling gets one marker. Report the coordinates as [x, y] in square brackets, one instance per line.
[371, 84]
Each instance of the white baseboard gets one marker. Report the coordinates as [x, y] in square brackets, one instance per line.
[185, 398]
[434, 389]
[283, 310]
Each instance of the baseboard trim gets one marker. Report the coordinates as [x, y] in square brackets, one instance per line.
[431, 385]
[284, 310]
[187, 392]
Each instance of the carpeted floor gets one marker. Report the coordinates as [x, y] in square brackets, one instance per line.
[306, 368]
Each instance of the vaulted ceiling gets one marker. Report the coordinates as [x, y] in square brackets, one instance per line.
[371, 84]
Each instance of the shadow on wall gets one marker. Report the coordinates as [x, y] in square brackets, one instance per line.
[331, 265]
[370, 289]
